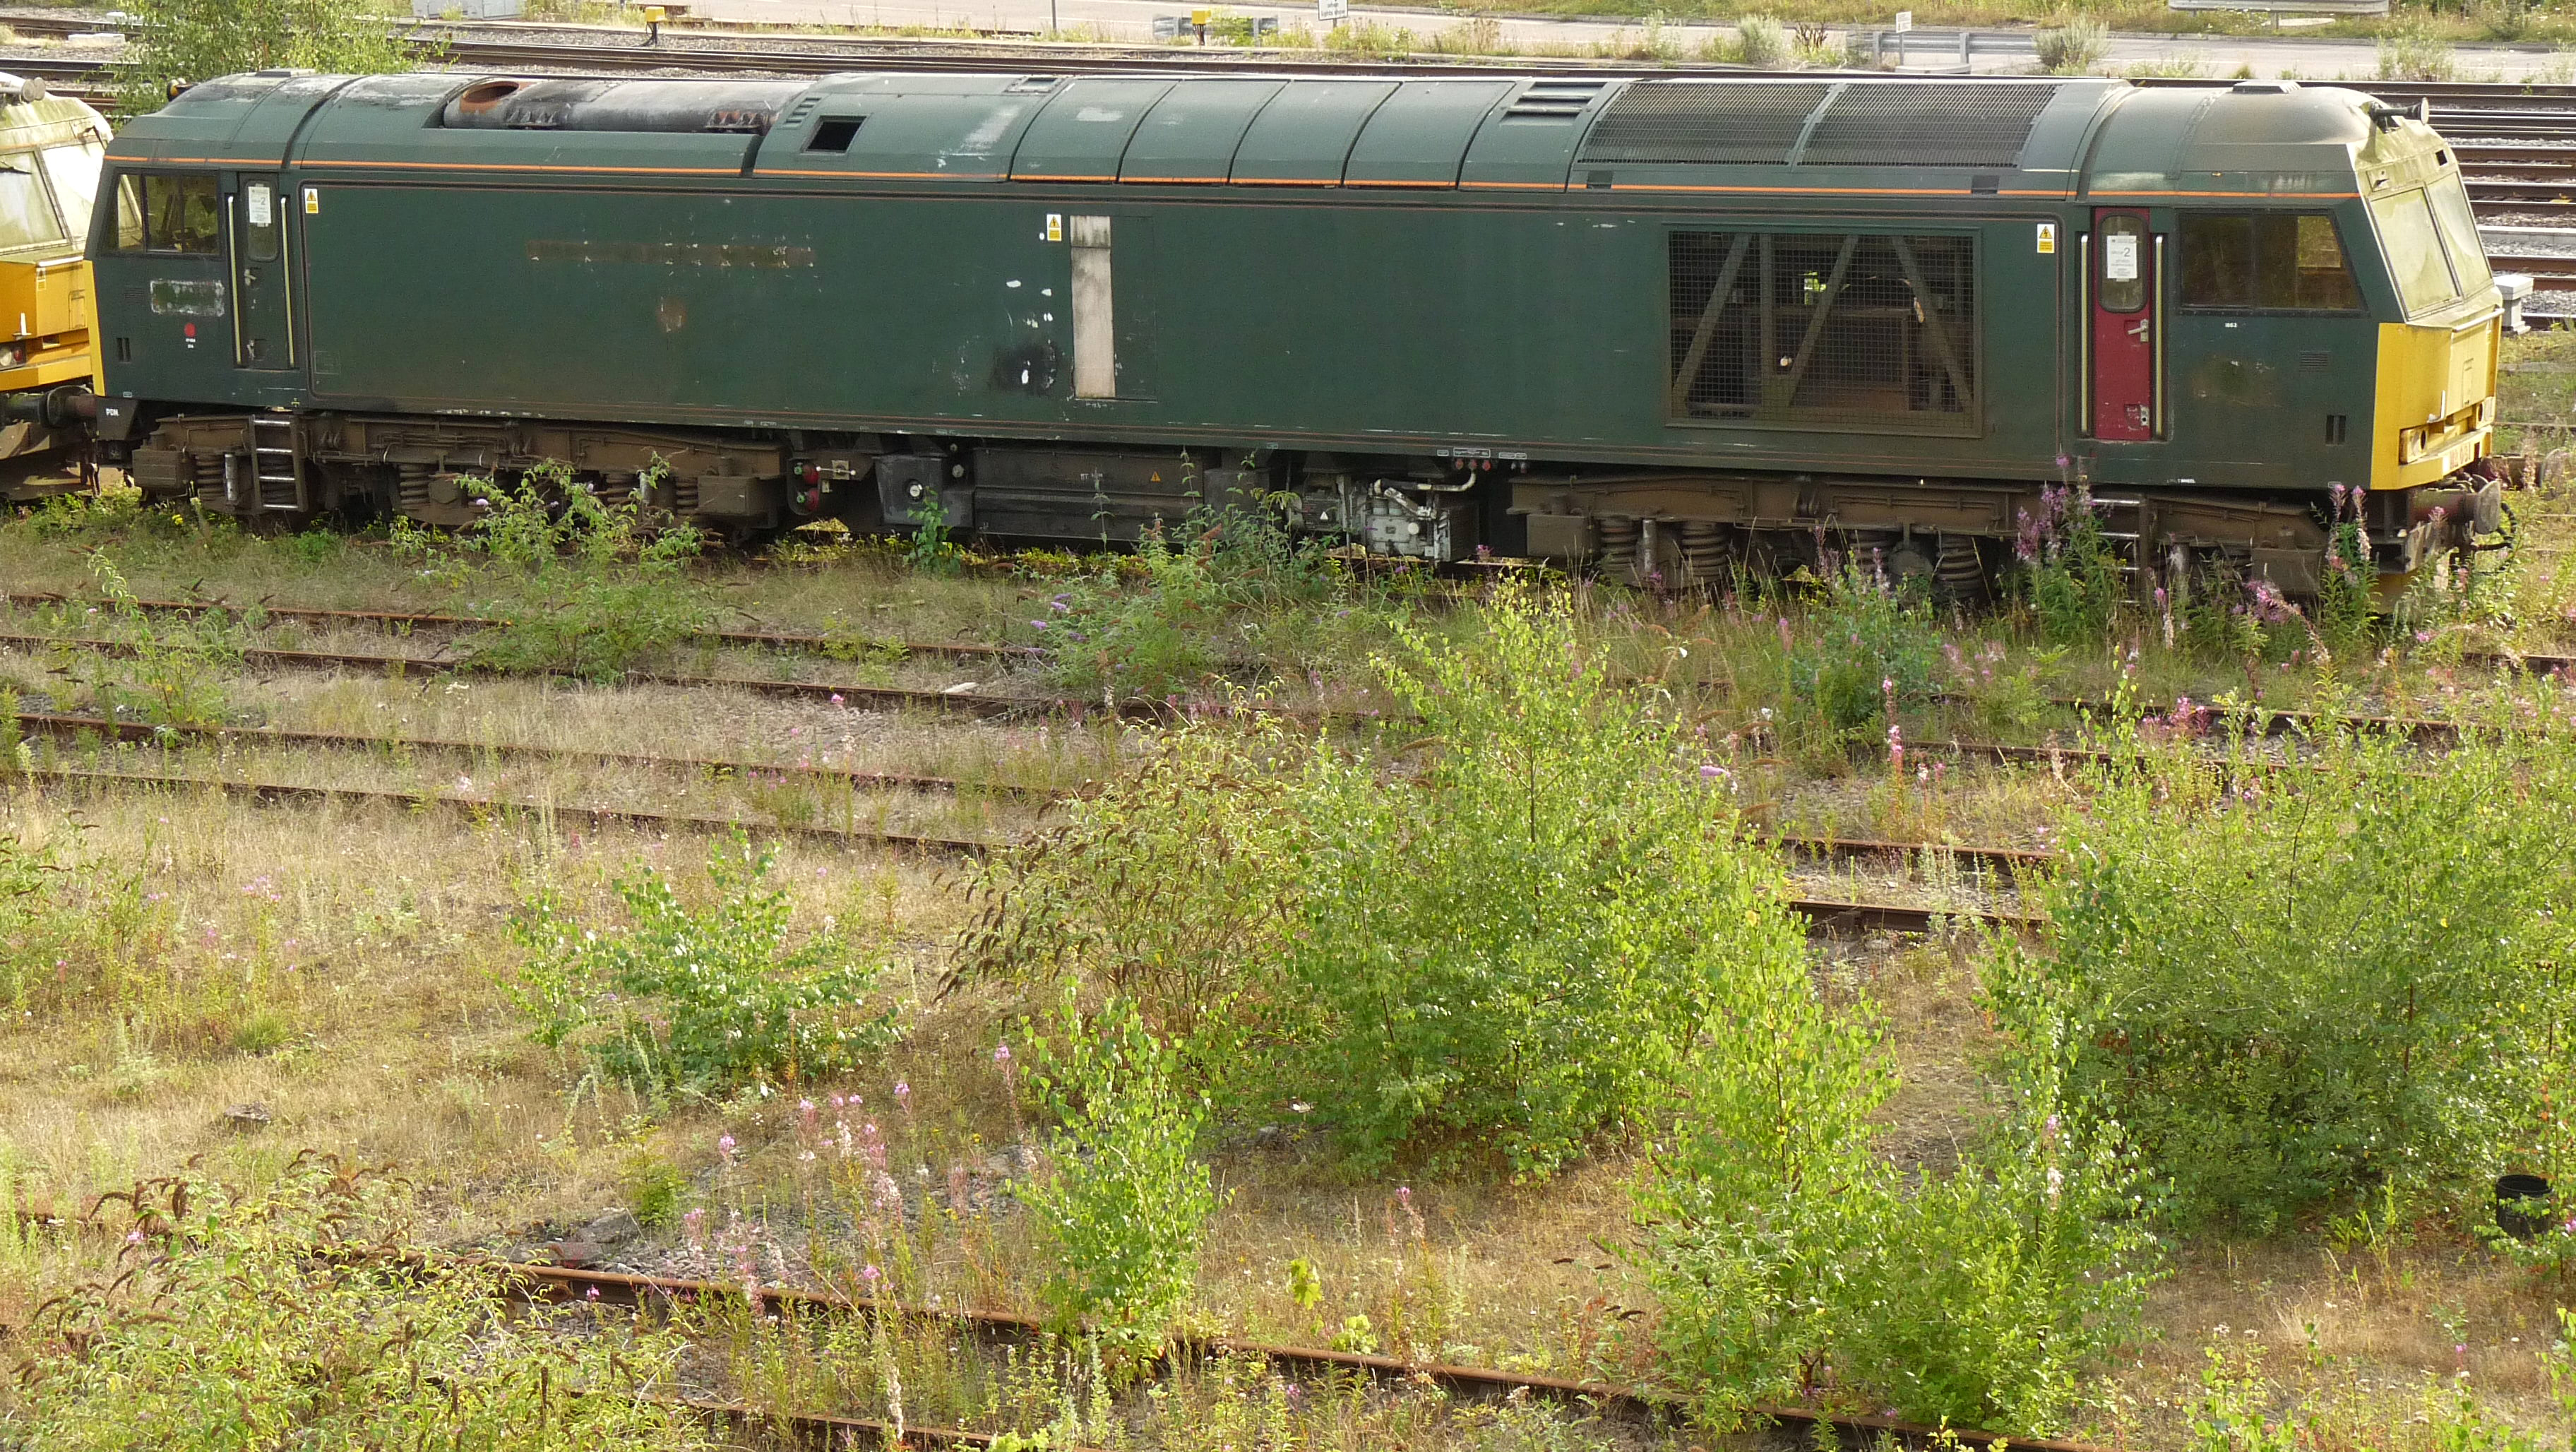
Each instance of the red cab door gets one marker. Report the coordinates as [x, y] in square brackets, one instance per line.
[2126, 350]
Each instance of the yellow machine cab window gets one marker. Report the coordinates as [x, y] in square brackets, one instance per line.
[2412, 242]
[27, 216]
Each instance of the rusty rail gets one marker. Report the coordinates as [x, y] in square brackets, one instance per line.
[571, 1283]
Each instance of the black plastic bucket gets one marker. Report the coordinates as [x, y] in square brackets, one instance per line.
[2522, 1205]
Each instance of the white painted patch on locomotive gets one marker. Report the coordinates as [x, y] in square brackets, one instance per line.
[981, 140]
[1099, 115]
[1095, 355]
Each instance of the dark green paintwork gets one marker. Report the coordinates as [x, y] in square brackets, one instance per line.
[1522, 313]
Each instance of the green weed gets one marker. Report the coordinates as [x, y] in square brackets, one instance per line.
[1123, 1207]
[697, 1000]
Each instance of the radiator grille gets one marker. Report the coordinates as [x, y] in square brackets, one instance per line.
[1945, 123]
[1700, 122]
[1824, 328]
[1865, 123]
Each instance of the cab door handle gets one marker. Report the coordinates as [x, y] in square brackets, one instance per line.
[2138, 330]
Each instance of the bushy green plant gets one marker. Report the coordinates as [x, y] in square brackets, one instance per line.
[698, 999]
[1190, 614]
[2073, 46]
[2415, 50]
[1491, 949]
[1502, 952]
[2302, 986]
[1873, 646]
[199, 40]
[277, 1318]
[1794, 1262]
[1123, 1205]
[1761, 42]
[579, 585]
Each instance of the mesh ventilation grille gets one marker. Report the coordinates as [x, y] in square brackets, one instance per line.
[1950, 123]
[1824, 329]
[1882, 123]
[1696, 122]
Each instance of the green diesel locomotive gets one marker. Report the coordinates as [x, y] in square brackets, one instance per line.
[1652, 325]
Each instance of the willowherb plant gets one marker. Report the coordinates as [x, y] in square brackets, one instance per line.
[2071, 577]
[1123, 1205]
[698, 1000]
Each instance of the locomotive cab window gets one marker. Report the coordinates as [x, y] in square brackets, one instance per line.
[2266, 262]
[164, 212]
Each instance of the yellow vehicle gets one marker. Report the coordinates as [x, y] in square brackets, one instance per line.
[50, 157]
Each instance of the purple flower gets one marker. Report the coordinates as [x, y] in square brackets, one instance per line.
[1002, 1054]
[836, 698]
[902, 1091]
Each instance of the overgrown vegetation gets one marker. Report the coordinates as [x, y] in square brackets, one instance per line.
[1493, 953]
[697, 1000]
[582, 586]
[281, 1316]
[2296, 988]
[1124, 1204]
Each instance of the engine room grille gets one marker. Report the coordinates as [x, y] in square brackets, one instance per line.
[1864, 123]
[1824, 329]
[1694, 122]
[1955, 123]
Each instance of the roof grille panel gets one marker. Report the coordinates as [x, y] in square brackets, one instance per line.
[1939, 123]
[1555, 100]
[1704, 122]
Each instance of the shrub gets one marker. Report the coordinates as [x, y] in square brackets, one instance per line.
[1793, 1262]
[1122, 1206]
[2414, 50]
[2073, 46]
[1493, 953]
[275, 1318]
[1501, 953]
[2301, 987]
[1762, 42]
[697, 1000]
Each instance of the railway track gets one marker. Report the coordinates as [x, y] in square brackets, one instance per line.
[59, 726]
[837, 646]
[1644, 1405]
[981, 704]
[1829, 916]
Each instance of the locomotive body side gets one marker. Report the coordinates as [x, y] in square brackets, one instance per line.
[1647, 324]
